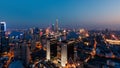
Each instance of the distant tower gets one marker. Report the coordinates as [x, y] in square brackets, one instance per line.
[63, 54]
[53, 27]
[48, 50]
[56, 25]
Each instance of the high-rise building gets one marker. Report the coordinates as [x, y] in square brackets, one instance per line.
[56, 25]
[48, 50]
[2, 35]
[63, 54]
[22, 52]
[36, 35]
[53, 27]
[51, 49]
[68, 53]
[70, 50]
[25, 53]
[2, 26]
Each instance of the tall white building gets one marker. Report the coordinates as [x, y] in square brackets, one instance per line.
[63, 54]
[48, 50]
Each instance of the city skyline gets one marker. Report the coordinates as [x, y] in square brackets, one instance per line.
[59, 34]
[42, 13]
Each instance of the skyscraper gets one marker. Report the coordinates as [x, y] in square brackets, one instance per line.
[63, 54]
[2, 35]
[48, 50]
[53, 27]
[56, 25]
[2, 26]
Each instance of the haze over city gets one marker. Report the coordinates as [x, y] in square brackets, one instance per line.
[80, 13]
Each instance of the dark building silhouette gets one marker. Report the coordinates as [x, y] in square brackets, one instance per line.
[3, 40]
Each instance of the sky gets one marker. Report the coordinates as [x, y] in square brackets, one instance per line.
[70, 13]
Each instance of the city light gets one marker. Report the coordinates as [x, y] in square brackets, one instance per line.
[60, 34]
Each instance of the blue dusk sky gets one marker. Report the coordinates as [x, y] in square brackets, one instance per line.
[70, 13]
